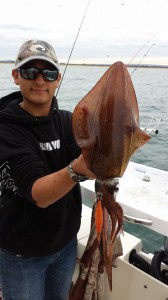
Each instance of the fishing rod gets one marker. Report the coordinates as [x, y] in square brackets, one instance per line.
[142, 59]
[152, 127]
[80, 26]
[141, 49]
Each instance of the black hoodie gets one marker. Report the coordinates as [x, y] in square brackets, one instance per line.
[32, 147]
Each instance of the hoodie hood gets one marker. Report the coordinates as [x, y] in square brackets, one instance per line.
[11, 112]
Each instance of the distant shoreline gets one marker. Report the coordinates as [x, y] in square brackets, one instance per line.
[100, 64]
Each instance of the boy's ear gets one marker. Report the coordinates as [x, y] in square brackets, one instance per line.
[58, 79]
[15, 75]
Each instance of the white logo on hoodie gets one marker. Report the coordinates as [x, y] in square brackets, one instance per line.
[49, 146]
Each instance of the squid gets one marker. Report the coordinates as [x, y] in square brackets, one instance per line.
[106, 127]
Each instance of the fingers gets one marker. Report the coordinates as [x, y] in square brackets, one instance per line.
[80, 167]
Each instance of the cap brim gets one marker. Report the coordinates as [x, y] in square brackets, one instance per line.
[36, 57]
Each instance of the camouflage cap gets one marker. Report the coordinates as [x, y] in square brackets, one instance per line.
[36, 49]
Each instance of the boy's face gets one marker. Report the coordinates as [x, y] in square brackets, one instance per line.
[37, 92]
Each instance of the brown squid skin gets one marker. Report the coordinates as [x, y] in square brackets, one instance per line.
[106, 123]
[106, 127]
[112, 223]
[88, 279]
[97, 255]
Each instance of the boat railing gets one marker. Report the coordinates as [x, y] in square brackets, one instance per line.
[141, 221]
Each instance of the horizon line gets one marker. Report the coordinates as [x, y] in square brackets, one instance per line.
[147, 65]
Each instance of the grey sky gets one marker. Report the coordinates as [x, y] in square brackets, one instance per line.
[112, 29]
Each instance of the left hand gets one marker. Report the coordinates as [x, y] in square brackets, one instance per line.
[80, 167]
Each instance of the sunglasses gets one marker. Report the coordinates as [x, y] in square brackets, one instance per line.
[32, 73]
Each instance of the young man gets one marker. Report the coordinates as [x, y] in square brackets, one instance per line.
[40, 201]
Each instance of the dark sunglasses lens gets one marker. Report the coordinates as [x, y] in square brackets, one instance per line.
[50, 75]
[30, 73]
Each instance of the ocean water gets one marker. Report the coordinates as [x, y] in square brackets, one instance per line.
[151, 86]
